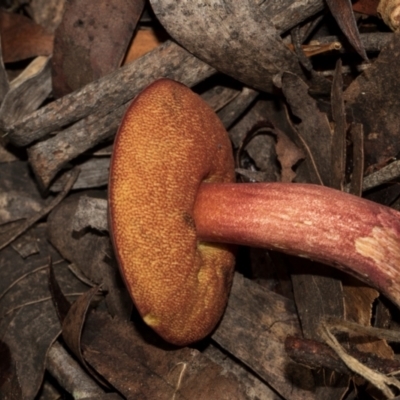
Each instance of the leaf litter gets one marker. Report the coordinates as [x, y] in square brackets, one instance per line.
[340, 137]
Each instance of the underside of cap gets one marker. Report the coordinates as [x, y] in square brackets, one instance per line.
[169, 142]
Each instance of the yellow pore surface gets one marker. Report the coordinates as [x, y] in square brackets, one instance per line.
[168, 143]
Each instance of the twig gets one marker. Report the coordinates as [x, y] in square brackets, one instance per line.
[379, 380]
[48, 157]
[315, 355]
[70, 375]
[371, 41]
[110, 92]
[384, 175]
[354, 328]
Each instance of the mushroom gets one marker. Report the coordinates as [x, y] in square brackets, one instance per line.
[175, 215]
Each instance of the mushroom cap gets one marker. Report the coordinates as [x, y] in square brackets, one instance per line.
[169, 142]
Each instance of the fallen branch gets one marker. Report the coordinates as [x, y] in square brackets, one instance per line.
[108, 93]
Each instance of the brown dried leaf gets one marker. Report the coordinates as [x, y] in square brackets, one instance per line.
[253, 329]
[90, 214]
[61, 303]
[26, 245]
[72, 326]
[381, 381]
[19, 196]
[6, 156]
[343, 13]
[10, 387]
[144, 41]
[28, 321]
[373, 100]
[10, 236]
[357, 173]
[368, 7]
[21, 38]
[88, 250]
[318, 294]
[314, 132]
[257, 389]
[288, 155]
[4, 84]
[143, 367]
[339, 132]
[260, 145]
[85, 249]
[91, 41]
[358, 302]
[318, 355]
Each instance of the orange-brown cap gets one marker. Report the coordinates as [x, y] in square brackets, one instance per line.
[169, 142]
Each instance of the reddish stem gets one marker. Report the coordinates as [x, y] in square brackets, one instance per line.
[345, 231]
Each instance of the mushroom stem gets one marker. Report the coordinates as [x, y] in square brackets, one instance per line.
[163, 219]
[353, 234]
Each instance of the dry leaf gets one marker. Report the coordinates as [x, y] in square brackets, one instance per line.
[89, 251]
[314, 131]
[373, 101]
[19, 196]
[140, 366]
[288, 155]
[253, 329]
[218, 33]
[343, 13]
[358, 304]
[144, 41]
[91, 41]
[368, 7]
[21, 38]
[28, 320]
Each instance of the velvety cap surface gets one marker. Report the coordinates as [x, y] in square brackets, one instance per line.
[168, 143]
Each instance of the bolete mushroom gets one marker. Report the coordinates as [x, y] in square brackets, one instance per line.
[173, 206]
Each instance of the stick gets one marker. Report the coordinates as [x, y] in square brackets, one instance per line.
[110, 92]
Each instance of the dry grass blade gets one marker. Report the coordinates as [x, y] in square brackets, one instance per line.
[379, 380]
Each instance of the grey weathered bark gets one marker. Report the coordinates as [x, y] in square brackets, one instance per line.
[232, 36]
[107, 94]
[285, 14]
